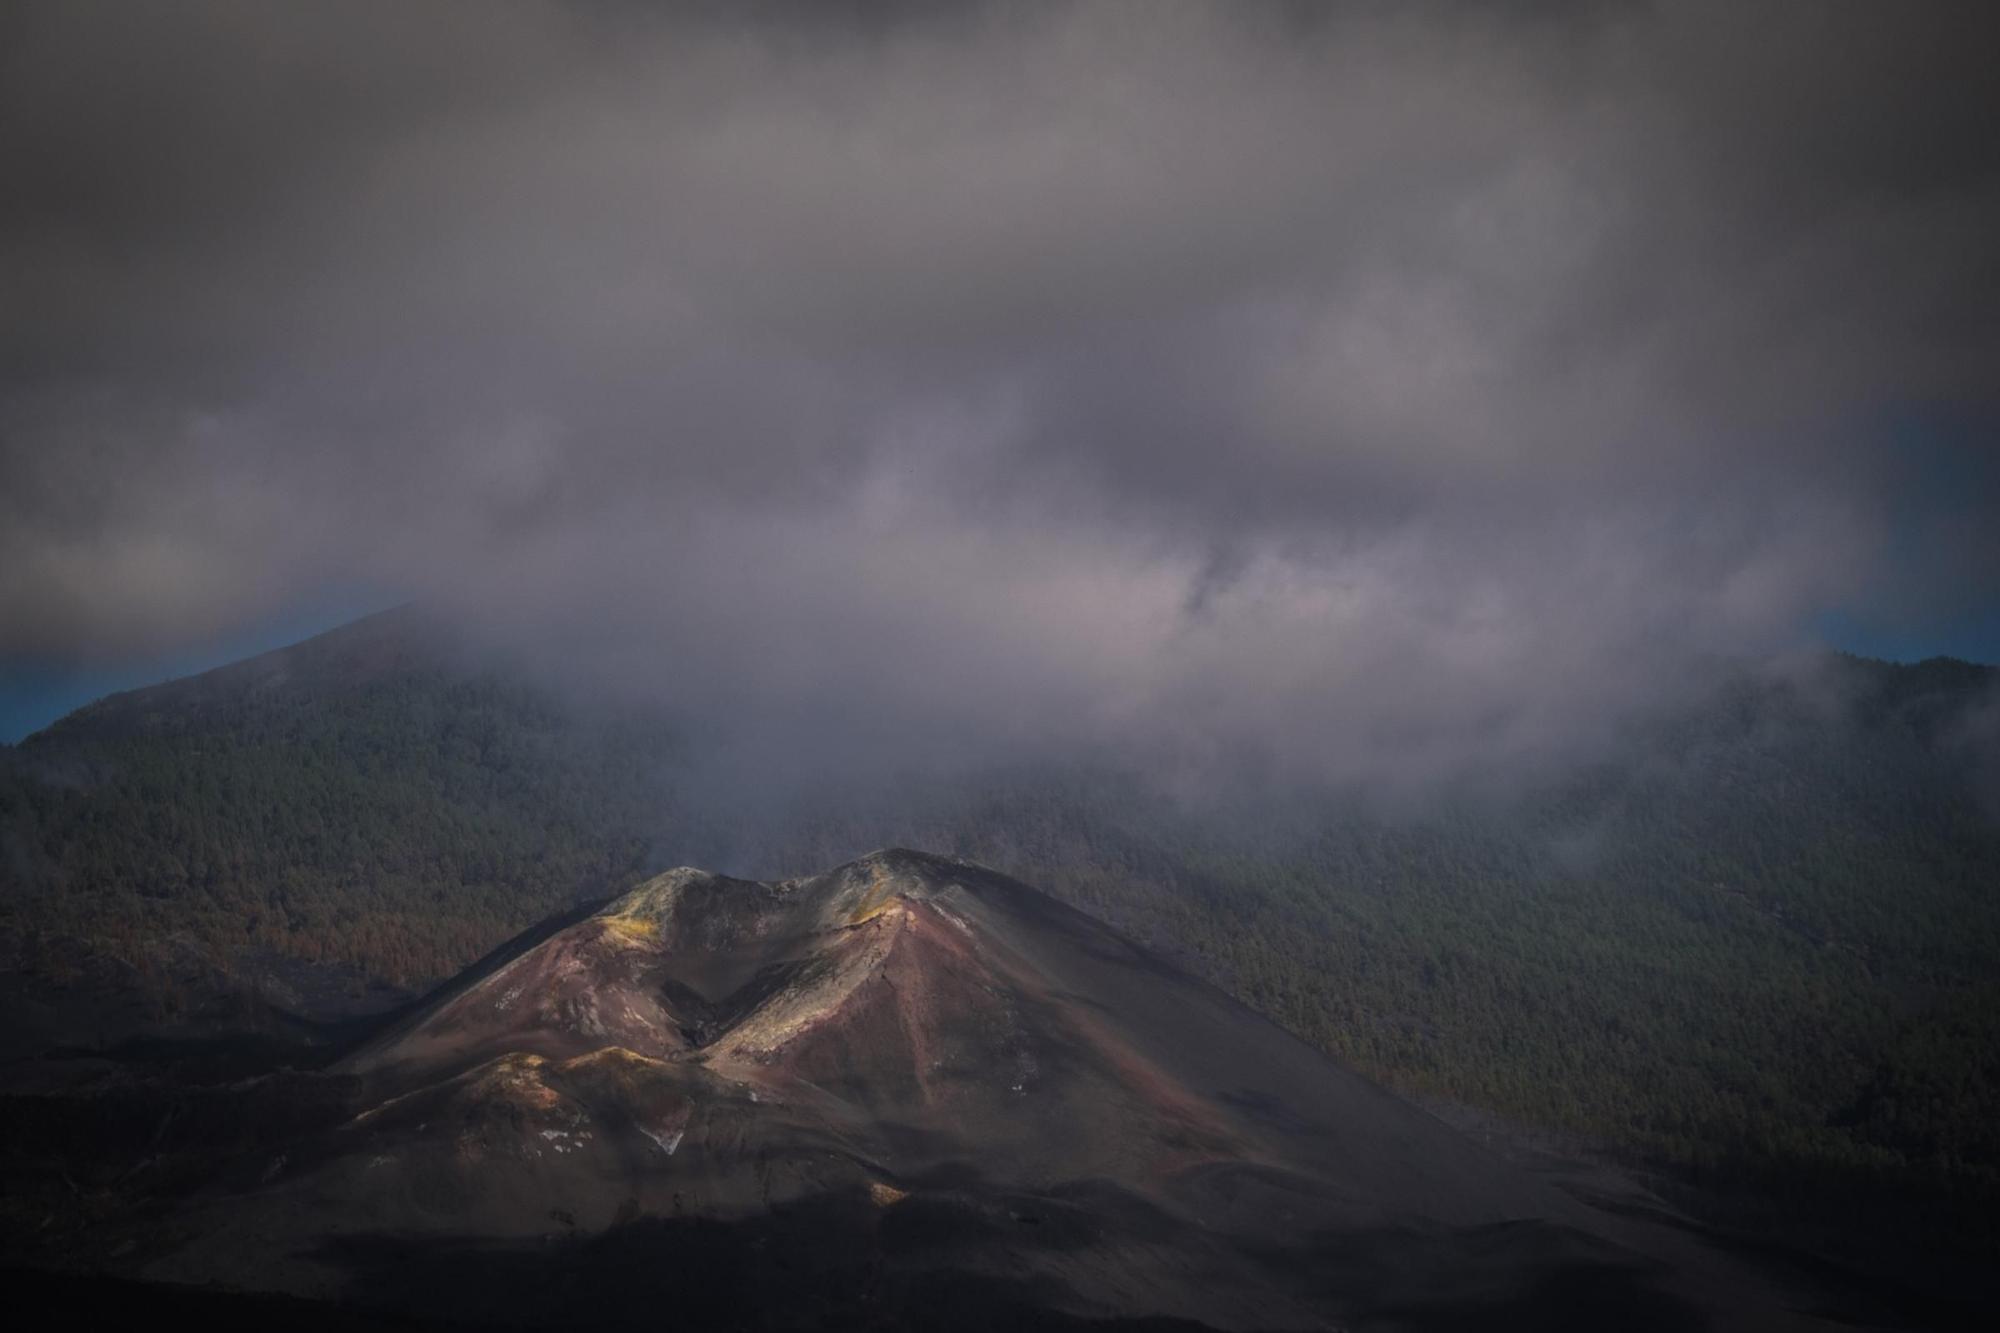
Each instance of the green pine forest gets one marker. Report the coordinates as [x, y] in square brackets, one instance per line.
[1759, 949]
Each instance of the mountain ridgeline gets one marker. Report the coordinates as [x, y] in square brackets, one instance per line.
[1757, 947]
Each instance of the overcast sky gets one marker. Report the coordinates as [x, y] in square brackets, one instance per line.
[1370, 390]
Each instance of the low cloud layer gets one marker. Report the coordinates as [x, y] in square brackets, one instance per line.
[1368, 391]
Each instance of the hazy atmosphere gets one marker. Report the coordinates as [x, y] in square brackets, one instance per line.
[1375, 387]
[1256, 666]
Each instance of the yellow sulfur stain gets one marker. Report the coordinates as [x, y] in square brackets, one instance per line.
[608, 1056]
[881, 893]
[632, 929]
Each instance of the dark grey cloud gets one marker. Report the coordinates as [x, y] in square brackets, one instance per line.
[1368, 390]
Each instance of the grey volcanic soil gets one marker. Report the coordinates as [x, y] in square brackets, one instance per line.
[905, 1087]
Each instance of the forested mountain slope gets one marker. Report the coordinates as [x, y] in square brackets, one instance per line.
[1765, 939]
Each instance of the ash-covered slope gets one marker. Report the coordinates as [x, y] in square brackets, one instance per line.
[870, 1096]
[919, 1013]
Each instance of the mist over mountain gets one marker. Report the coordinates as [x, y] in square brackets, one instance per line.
[1404, 584]
[1751, 948]
[1377, 394]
